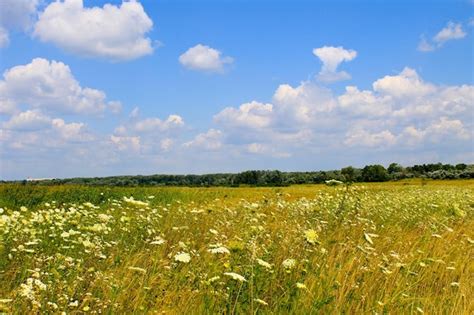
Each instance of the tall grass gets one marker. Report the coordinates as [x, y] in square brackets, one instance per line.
[378, 248]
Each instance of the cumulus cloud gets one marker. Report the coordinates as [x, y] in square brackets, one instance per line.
[303, 103]
[400, 110]
[48, 85]
[360, 137]
[204, 58]
[4, 37]
[126, 143]
[364, 103]
[28, 121]
[405, 84]
[112, 32]
[253, 115]
[17, 14]
[424, 45]
[210, 140]
[73, 132]
[452, 31]
[156, 124]
[332, 57]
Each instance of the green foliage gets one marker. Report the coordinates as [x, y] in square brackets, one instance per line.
[370, 173]
[375, 173]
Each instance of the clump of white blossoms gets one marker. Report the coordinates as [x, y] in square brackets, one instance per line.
[132, 201]
[182, 257]
[218, 249]
[30, 288]
[235, 276]
[289, 263]
[263, 263]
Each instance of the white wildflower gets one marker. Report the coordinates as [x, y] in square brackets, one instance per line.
[261, 302]
[289, 263]
[263, 263]
[235, 276]
[182, 257]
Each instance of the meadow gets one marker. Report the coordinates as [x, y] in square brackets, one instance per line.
[397, 247]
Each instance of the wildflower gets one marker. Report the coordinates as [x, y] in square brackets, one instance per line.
[455, 284]
[213, 231]
[182, 257]
[135, 202]
[219, 250]
[235, 276]
[261, 302]
[157, 241]
[301, 286]
[289, 263]
[104, 217]
[213, 279]
[263, 263]
[23, 209]
[311, 236]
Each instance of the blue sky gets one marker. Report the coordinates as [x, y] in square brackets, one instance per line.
[408, 66]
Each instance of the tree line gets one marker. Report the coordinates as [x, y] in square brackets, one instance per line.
[369, 173]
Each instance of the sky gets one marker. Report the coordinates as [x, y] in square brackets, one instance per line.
[98, 88]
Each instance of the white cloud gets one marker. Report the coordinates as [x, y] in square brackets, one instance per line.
[204, 58]
[332, 57]
[115, 107]
[210, 140]
[134, 113]
[302, 104]
[166, 144]
[360, 137]
[424, 45]
[48, 85]
[405, 84]
[364, 103]
[450, 32]
[71, 131]
[112, 32]
[4, 37]
[252, 115]
[28, 121]
[154, 124]
[126, 143]
[17, 14]
[309, 116]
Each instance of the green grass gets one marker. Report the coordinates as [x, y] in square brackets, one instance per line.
[401, 247]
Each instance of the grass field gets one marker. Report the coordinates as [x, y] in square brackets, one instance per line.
[403, 247]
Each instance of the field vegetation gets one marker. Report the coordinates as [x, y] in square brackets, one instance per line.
[376, 248]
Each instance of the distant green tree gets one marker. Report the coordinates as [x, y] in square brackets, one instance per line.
[461, 166]
[349, 174]
[394, 168]
[374, 173]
